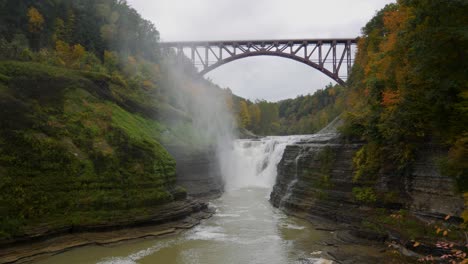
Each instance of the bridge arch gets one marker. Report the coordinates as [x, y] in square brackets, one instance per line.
[324, 55]
[270, 53]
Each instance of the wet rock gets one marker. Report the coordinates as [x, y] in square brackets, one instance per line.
[368, 235]
[197, 172]
[165, 220]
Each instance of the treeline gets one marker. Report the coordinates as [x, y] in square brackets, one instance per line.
[310, 113]
[409, 88]
[105, 36]
[302, 115]
[96, 25]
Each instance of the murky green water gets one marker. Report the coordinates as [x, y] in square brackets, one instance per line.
[245, 229]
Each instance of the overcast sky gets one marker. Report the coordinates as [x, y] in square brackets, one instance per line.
[270, 78]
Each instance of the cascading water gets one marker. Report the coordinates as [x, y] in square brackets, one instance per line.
[252, 163]
[293, 182]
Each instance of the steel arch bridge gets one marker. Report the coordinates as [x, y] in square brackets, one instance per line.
[325, 55]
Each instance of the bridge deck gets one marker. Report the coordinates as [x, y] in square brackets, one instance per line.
[258, 42]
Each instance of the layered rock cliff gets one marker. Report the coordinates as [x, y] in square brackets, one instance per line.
[315, 181]
[197, 172]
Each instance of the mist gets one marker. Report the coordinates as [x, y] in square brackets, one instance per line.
[210, 109]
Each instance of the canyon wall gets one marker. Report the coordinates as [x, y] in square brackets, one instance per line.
[198, 172]
[315, 181]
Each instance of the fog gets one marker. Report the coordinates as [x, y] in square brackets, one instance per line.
[268, 78]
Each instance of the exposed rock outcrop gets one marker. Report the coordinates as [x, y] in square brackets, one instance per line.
[166, 219]
[198, 172]
[301, 186]
[315, 180]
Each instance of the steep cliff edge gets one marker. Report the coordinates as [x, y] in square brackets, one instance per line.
[316, 181]
[304, 184]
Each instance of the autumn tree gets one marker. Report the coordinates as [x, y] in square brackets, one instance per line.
[255, 115]
[35, 26]
[244, 115]
[70, 55]
[407, 84]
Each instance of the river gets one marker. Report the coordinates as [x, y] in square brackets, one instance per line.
[245, 228]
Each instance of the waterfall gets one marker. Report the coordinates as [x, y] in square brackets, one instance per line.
[253, 163]
[293, 182]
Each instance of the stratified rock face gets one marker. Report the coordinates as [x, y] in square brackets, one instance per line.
[315, 180]
[302, 185]
[197, 172]
[433, 194]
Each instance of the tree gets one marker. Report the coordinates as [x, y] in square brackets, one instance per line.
[35, 26]
[60, 32]
[244, 115]
[36, 20]
[111, 61]
[255, 114]
[70, 56]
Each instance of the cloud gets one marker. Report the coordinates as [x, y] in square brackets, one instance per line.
[269, 78]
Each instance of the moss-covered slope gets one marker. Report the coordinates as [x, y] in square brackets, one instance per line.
[73, 152]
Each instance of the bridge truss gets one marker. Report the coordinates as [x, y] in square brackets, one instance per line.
[333, 57]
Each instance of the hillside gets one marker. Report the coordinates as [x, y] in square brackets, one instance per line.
[89, 109]
[305, 114]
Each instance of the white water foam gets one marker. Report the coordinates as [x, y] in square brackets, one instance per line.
[253, 163]
[133, 258]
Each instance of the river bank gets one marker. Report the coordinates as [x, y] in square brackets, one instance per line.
[245, 229]
[167, 220]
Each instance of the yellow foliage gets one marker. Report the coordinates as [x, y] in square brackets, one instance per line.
[70, 56]
[147, 84]
[77, 52]
[255, 114]
[244, 115]
[36, 20]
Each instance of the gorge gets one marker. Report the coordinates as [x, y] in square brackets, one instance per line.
[309, 177]
[245, 227]
[114, 148]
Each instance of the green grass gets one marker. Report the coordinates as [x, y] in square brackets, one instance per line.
[136, 126]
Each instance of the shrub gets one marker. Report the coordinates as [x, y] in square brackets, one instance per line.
[364, 195]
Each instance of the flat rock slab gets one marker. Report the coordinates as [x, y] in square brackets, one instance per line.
[27, 252]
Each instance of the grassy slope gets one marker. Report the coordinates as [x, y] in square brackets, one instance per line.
[73, 152]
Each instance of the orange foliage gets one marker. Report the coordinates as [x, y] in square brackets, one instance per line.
[390, 98]
[394, 22]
